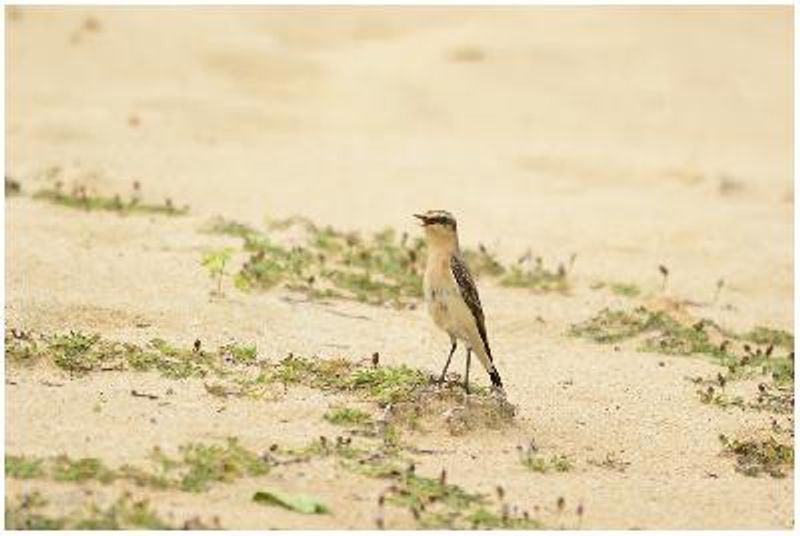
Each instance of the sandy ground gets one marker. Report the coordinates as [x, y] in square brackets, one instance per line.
[631, 137]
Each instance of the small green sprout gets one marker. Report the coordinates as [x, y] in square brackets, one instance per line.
[215, 261]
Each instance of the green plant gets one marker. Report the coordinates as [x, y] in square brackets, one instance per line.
[668, 335]
[485, 519]
[80, 197]
[227, 227]
[198, 466]
[124, 513]
[759, 456]
[543, 464]
[383, 268]
[215, 261]
[610, 326]
[235, 370]
[661, 332]
[386, 384]
[23, 514]
[241, 353]
[214, 463]
[536, 277]
[82, 469]
[23, 467]
[348, 417]
[630, 290]
[433, 502]
[711, 396]
[774, 398]
[768, 336]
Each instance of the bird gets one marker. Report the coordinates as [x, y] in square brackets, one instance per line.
[451, 295]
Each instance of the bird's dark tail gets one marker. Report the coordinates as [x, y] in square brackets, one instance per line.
[495, 377]
[493, 374]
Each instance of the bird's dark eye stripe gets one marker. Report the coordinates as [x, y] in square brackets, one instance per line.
[443, 220]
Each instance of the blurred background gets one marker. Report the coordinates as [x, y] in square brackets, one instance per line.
[632, 136]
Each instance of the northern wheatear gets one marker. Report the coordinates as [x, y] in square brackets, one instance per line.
[451, 295]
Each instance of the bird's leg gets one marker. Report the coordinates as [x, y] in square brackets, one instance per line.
[449, 357]
[466, 376]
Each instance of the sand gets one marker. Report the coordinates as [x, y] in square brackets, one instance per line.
[630, 137]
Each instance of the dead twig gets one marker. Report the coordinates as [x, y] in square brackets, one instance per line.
[138, 394]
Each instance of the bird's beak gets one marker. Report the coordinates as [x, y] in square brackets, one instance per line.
[422, 218]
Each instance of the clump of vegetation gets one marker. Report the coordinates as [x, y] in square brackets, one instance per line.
[610, 326]
[198, 466]
[79, 353]
[380, 384]
[348, 417]
[774, 398]
[23, 467]
[536, 277]
[759, 456]
[486, 519]
[539, 463]
[629, 290]
[214, 463]
[387, 384]
[752, 362]
[418, 492]
[381, 461]
[24, 514]
[65, 469]
[433, 502]
[768, 336]
[228, 227]
[717, 398]
[235, 370]
[311, 372]
[21, 347]
[125, 513]
[382, 268]
[673, 337]
[242, 354]
[437, 504]
[670, 336]
[80, 198]
[660, 332]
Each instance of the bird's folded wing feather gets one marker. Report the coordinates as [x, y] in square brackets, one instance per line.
[470, 295]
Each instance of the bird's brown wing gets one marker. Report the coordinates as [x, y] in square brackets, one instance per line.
[470, 295]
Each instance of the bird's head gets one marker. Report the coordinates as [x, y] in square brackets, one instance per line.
[440, 225]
